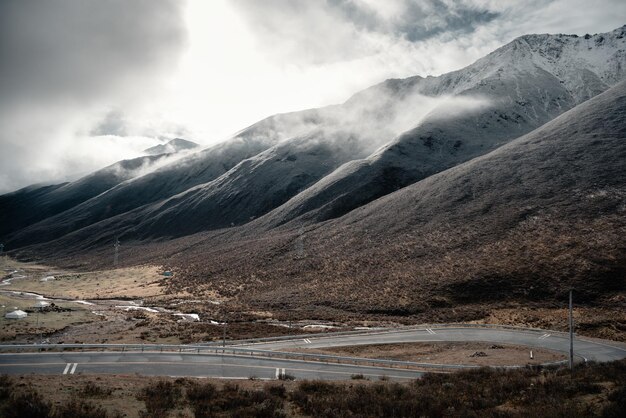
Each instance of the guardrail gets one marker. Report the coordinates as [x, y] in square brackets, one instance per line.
[247, 352]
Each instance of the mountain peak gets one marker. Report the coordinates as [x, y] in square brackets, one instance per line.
[172, 146]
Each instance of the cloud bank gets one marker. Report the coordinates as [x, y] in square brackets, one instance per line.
[63, 64]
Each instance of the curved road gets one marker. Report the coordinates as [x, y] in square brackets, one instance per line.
[247, 364]
[584, 348]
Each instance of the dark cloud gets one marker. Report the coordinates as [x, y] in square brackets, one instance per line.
[83, 49]
[112, 124]
[333, 30]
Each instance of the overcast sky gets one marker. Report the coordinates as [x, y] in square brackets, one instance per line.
[85, 83]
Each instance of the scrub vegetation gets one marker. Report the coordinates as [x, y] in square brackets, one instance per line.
[592, 390]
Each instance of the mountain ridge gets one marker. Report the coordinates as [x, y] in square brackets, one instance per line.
[494, 100]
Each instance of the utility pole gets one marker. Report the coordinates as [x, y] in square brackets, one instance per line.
[117, 248]
[571, 332]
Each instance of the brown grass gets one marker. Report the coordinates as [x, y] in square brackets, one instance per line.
[447, 353]
[594, 390]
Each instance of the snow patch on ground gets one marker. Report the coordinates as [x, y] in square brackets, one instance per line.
[138, 308]
[188, 317]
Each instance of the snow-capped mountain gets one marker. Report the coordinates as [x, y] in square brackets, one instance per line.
[515, 89]
[320, 164]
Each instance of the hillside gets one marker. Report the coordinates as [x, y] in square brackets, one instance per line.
[32, 204]
[508, 93]
[320, 164]
[521, 224]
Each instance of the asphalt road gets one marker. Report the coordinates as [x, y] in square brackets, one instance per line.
[246, 366]
[193, 365]
[584, 349]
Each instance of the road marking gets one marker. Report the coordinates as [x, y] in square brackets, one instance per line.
[544, 336]
[387, 371]
[70, 368]
[430, 331]
[307, 341]
[279, 372]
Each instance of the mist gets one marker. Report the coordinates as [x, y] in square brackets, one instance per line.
[65, 66]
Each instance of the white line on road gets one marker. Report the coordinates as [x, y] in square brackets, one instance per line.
[430, 331]
[544, 336]
[67, 369]
[307, 341]
[279, 373]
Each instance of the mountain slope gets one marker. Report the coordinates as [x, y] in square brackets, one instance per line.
[520, 86]
[175, 145]
[523, 223]
[306, 144]
[320, 164]
[32, 204]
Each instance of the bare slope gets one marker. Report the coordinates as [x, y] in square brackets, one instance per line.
[32, 204]
[520, 224]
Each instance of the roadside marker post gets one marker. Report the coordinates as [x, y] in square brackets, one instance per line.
[571, 332]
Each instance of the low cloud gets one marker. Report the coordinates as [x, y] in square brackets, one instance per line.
[63, 66]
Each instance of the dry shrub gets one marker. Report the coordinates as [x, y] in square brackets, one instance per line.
[93, 390]
[160, 397]
[28, 404]
[80, 409]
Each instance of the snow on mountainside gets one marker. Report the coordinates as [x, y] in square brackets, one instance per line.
[526, 83]
[322, 163]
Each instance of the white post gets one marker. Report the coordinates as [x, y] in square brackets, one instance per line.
[571, 332]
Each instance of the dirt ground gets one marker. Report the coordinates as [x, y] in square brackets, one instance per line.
[470, 353]
[130, 282]
[41, 323]
[145, 286]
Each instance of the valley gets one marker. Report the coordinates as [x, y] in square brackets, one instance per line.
[308, 223]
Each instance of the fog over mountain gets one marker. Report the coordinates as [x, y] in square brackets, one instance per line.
[418, 198]
[322, 163]
[86, 85]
